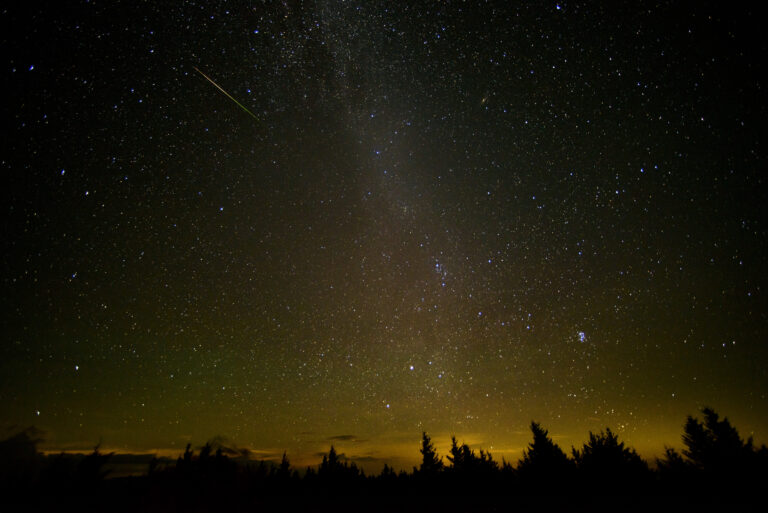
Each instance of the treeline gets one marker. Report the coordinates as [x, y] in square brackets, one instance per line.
[716, 466]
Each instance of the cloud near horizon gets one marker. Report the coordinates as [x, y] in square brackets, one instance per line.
[345, 438]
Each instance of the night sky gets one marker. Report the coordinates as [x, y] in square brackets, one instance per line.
[296, 224]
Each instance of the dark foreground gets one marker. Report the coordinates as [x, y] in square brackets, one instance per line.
[717, 471]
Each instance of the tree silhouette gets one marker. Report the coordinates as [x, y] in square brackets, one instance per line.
[715, 444]
[544, 459]
[431, 463]
[605, 460]
[332, 469]
[330, 465]
[20, 463]
[284, 470]
[470, 465]
[90, 470]
[184, 462]
[672, 462]
[461, 457]
[715, 467]
[454, 455]
[715, 451]
[387, 474]
[674, 471]
[715, 459]
[205, 453]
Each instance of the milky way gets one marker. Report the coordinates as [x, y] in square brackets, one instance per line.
[452, 217]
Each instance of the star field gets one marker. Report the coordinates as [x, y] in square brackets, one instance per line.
[446, 216]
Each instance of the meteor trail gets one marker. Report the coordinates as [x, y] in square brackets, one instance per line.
[209, 79]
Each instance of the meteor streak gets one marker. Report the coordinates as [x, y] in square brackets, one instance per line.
[209, 79]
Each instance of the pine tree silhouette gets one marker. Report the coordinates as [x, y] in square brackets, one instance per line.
[544, 463]
[605, 460]
[431, 463]
[284, 470]
[714, 444]
[724, 462]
